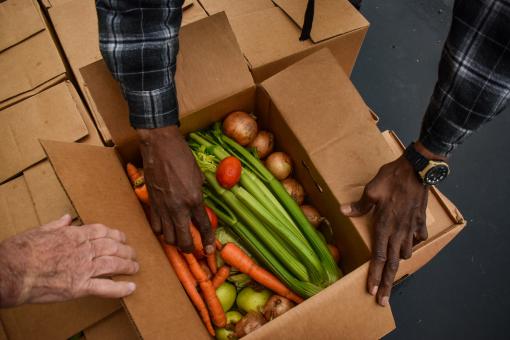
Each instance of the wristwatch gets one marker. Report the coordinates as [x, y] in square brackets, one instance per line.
[430, 172]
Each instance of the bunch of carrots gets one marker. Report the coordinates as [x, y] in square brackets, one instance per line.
[191, 269]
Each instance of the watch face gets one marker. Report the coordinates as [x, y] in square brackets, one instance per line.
[436, 174]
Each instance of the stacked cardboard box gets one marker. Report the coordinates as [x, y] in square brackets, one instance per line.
[333, 166]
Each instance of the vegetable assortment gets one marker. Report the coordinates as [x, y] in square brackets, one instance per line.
[271, 254]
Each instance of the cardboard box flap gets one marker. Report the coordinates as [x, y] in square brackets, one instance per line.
[50, 114]
[235, 7]
[19, 19]
[339, 316]
[349, 147]
[115, 327]
[102, 194]
[28, 65]
[331, 17]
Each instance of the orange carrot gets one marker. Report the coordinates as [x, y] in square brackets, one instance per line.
[218, 244]
[142, 194]
[188, 282]
[137, 180]
[133, 173]
[236, 257]
[221, 276]
[211, 261]
[206, 269]
[197, 241]
[210, 297]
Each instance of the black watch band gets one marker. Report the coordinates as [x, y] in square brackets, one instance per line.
[418, 161]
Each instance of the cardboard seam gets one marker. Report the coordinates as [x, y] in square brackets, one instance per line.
[128, 314]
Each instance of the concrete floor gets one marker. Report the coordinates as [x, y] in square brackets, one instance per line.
[464, 292]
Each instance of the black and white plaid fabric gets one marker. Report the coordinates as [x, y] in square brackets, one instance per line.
[474, 74]
[139, 40]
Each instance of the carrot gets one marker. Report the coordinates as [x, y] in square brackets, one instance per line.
[206, 269]
[218, 244]
[142, 194]
[211, 261]
[221, 276]
[188, 282]
[136, 178]
[207, 288]
[236, 257]
[133, 173]
[197, 241]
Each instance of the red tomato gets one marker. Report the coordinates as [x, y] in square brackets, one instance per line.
[228, 172]
[212, 218]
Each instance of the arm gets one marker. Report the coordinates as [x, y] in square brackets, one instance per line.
[139, 42]
[473, 86]
[58, 262]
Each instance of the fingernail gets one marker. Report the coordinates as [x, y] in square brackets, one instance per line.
[209, 249]
[384, 301]
[65, 217]
[346, 209]
[131, 287]
[374, 289]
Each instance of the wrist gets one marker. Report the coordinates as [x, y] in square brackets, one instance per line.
[429, 154]
[149, 136]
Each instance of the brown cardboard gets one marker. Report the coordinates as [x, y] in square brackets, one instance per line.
[50, 114]
[19, 19]
[200, 81]
[48, 196]
[269, 38]
[3, 336]
[20, 210]
[114, 327]
[333, 165]
[235, 7]
[192, 13]
[29, 67]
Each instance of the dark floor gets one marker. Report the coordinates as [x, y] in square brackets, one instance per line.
[465, 291]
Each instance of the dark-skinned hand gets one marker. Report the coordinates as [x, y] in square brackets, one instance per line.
[398, 199]
[174, 182]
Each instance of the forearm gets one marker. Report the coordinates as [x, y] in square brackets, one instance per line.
[473, 78]
[139, 43]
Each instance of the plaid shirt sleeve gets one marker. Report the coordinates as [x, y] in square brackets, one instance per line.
[139, 43]
[474, 74]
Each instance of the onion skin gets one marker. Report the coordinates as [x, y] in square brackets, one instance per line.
[294, 189]
[241, 127]
[312, 214]
[280, 165]
[263, 143]
[334, 252]
[249, 323]
[276, 306]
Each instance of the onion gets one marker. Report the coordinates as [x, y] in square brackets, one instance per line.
[312, 215]
[294, 189]
[249, 323]
[241, 127]
[280, 165]
[263, 143]
[334, 252]
[276, 306]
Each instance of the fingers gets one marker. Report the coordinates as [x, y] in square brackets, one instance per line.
[109, 247]
[360, 207]
[169, 233]
[112, 265]
[155, 220]
[379, 253]
[204, 227]
[64, 221]
[107, 288]
[390, 270]
[97, 231]
[182, 222]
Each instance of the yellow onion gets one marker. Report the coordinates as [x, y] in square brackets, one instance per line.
[276, 306]
[312, 214]
[241, 127]
[263, 143]
[294, 189]
[280, 165]
[249, 323]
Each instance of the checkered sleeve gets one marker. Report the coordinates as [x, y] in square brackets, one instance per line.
[474, 74]
[139, 43]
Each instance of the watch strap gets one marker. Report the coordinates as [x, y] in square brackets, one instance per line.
[418, 161]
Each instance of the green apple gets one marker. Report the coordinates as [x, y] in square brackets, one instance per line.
[252, 300]
[227, 295]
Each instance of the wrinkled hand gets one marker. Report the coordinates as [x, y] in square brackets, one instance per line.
[174, 182]
[58, 262]
[400, 201]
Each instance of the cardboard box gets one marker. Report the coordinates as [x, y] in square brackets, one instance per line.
[335, 157]
[14, 12]
[56, 113]
[75, 23]
[235, 7]
[27, 201]
[114, 327]
[269, 38]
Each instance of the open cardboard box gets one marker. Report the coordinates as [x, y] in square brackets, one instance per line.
[319, 118]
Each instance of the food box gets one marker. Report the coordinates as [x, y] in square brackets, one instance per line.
[322, 122]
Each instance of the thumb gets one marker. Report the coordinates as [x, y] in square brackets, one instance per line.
[358, 208]
[64, 221]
